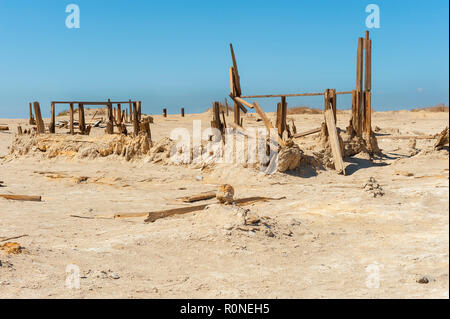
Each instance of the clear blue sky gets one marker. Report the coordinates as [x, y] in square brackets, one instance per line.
[175, 53]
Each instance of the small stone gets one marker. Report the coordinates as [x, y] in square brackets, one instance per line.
[269, 233]
[113, 275]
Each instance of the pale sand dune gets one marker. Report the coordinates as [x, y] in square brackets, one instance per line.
[337, 228]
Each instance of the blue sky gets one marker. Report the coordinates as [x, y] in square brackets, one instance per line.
[175, 53]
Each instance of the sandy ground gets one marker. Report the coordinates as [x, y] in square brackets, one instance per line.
[332, 238]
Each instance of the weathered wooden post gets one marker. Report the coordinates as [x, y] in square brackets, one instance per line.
[226, 105]
[165, 112]
[119, 114]
[32, 121]
[139, 110]
[131, 111]
[135, 119]
[81, 119]
[367, 84]
[182, 112]
[110, 123]
[19, 130]
[51, 127]
[72, 131]
[39, 122]
[359, 84]
[333, 100]
[237, 114]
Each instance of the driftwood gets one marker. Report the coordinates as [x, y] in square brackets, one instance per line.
[22, 197]
[442, 139]
[4, 128]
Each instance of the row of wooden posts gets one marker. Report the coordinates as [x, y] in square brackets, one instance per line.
[115, 117]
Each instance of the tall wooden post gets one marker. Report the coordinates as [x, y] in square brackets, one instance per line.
[39, 121]
[119, 114]
[32, 121]
[81, 119]
[367, 83]
[182, 112]
[359, 84]
[71, 119]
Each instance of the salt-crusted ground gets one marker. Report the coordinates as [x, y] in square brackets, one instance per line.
[332, 238]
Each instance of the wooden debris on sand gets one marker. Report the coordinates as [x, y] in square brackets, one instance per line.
[22, 197]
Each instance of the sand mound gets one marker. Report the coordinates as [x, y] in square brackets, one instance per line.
[79, 146]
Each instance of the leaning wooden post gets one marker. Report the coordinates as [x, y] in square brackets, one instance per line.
[81, 119]
[135, 119]
[32, 121]
[71, 119]
[182, 112]
[39, 121]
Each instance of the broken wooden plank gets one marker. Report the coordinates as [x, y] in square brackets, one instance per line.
[309, 132]
[22, 197]
[334, 141]
[199, 197]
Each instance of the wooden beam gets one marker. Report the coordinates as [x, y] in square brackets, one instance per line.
[242, 101]
[334, 141]
[309, 132]
[289, 95]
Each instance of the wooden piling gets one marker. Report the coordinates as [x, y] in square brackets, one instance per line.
[359, 85]
[165, 112]
[368, 114]
[81, 119]
[32, 121]
[131, 112]
[39, 122]
[135, 119]
[51, 127]
[182, 112]
[72, 131]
